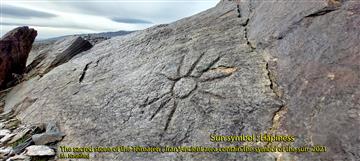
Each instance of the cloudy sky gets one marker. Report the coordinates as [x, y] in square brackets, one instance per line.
[63, 17]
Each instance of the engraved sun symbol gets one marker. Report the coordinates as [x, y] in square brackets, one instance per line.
[184, 84]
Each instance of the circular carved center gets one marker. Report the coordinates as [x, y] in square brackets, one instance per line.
[184, 87]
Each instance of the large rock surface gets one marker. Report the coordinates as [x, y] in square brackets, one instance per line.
[315, 62]
[15, 47]
[285, 67]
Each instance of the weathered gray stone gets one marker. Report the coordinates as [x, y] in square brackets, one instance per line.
[46, 138]
[39, 150]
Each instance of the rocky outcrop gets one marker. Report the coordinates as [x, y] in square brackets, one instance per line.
[15, 47]
[285, 68]
[59, 52]
[315, 62]
[17, 140]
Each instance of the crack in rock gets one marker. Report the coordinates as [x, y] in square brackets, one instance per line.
[246, 35]
[273, 85]
[277, 118]
[83, 73]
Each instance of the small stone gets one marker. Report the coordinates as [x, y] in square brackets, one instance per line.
[4, 151]
[6, 138]
[4, 132]
[19, 158]
[46, 138]
[39, 150]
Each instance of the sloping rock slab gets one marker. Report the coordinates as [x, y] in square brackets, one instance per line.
[58, 53]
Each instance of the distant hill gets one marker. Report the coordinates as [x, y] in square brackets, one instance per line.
[106, 35]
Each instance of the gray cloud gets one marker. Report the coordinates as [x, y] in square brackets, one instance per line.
[156, 12]
[19, 12]
[46, 25]
[130, 20]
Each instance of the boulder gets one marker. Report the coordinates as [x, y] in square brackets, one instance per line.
[15, 47]
[58, 53]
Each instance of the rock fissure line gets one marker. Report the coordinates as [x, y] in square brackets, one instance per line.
[277, 118]
[246, 34]
[278, 114]
[273, 85]
[83, 73]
